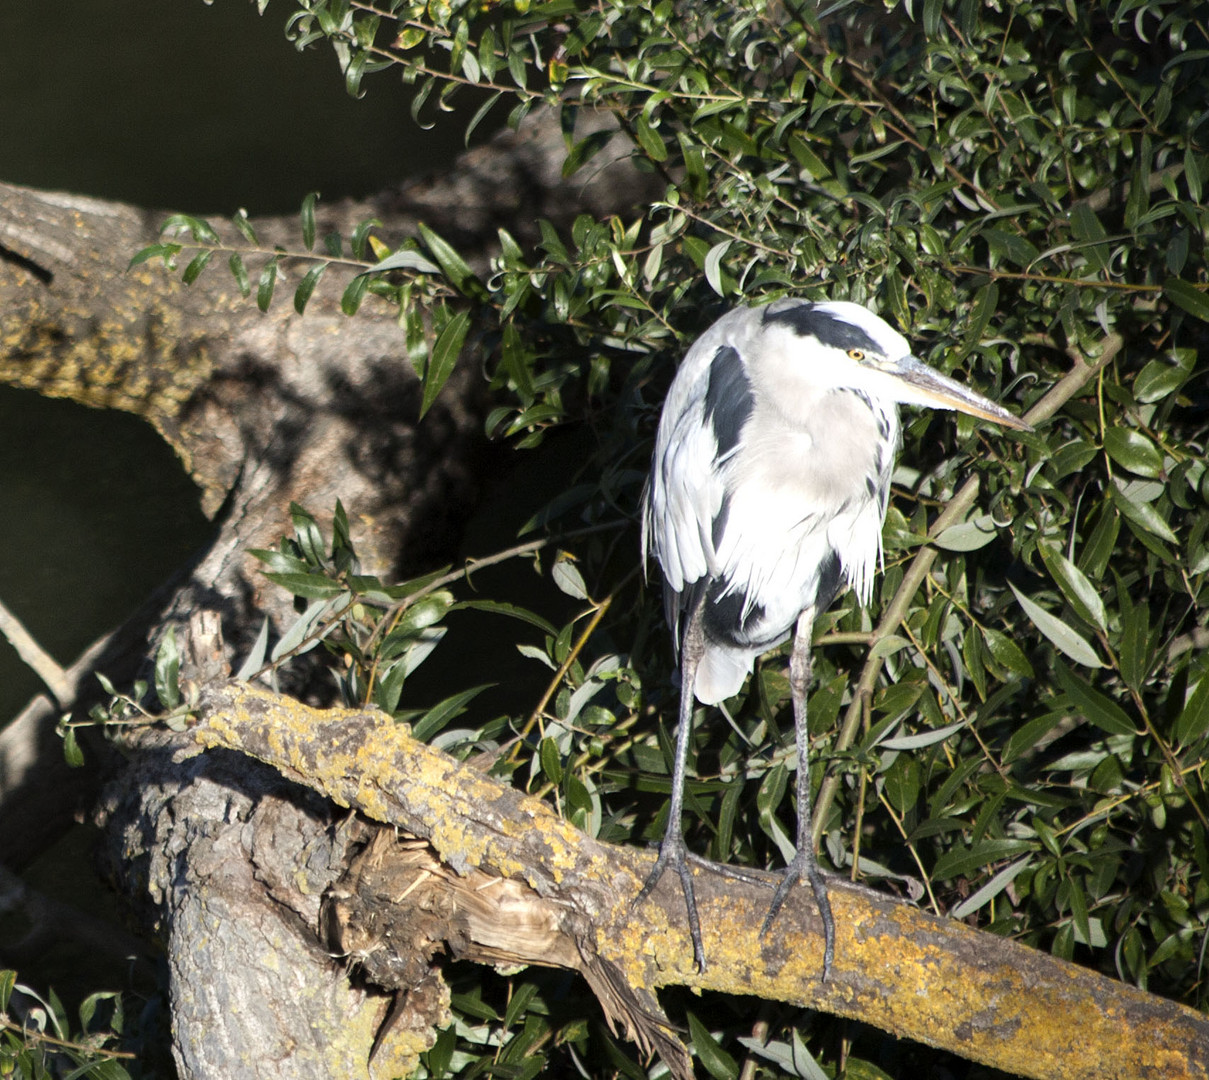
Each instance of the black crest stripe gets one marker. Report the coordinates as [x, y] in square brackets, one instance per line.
[809, 320]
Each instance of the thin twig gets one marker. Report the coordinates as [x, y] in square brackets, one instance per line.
[37, 659]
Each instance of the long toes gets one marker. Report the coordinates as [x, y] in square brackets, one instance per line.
[735, 873]
[818, 885]
[676, 855]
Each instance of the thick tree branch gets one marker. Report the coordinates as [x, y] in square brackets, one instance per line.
[934, 980]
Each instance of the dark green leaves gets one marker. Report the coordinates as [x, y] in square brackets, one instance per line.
[1185, 295]
[452, 265]
[443, 359]
[1133, 451]
[1092, 705]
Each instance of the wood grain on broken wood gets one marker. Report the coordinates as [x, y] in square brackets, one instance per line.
[934, 980]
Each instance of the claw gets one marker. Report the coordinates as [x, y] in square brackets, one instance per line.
[804, 865]
[674, 853]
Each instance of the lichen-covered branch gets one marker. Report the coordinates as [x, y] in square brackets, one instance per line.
[934, 980]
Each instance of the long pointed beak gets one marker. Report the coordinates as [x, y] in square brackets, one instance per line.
[926, 386]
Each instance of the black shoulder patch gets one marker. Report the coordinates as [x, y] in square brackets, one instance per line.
[809, 320]
[728, 399]
[829, 582]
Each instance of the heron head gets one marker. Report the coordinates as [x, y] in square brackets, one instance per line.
[863, 352]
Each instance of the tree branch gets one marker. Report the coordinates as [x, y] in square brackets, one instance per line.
[934, 980]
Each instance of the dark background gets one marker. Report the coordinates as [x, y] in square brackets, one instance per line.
[179, 106]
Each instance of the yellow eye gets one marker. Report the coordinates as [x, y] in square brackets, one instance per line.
[856, 354]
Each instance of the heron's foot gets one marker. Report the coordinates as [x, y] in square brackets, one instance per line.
[673, 853]
[734, 873]
[802, 867]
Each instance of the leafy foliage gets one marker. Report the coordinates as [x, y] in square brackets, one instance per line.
[43, 1043]
[1016, 731]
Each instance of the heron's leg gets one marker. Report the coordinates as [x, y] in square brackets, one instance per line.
[804, 864]
[672, 851]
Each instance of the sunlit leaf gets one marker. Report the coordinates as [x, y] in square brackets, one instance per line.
[1067, 640]
[445, 353]
[167, 671]
[1133, 451]
[1075, 586]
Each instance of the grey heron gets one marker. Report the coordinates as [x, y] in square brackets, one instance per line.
[768, 489]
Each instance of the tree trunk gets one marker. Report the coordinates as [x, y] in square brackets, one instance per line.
[264, 409]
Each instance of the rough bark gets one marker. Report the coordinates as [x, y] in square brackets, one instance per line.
[470, 867]
[263, 408]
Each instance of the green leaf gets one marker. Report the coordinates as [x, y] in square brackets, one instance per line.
[456, 270]
[968, 535]
[302, 295]
[1083, 596]
[308, 534]
[498, 607]
[1094, 706]
[198, 228]
[1159, 377]
[280, 562]
[713, 267]
[986, 300]
[718, 1063]
[1133, 451]
[1187, 296]
[551, 760]
[154, 251]
[404, 259]
[240, 273]
[444, 358]
[961, 862]
[519, 1003]
[1006, 652]
[1142, 514]
[568, 578]
[983, 896]
[515, 362]
[196, 265]
[1134, 646]
[254, 661]
[350, 302]
[167, 671]
[310, 586]
[72, 753]
[264, 288]
[389, 687]
[1194, 720]
[308, 219]
[241, 222]
[425, 612]
[1059, 633]
[440, 714]
[1087, 229]
[584, 150]
[649, 139]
